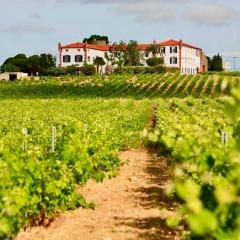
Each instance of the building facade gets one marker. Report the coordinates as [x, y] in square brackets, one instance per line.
[11, 76]
[187, 58]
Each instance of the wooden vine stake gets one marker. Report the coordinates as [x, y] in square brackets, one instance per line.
[54, 131]
[225, 139]
[25, 132]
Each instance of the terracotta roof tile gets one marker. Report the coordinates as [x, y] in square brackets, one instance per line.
[89, 46]
[143, 47]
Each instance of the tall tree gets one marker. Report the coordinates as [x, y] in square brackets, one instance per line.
[46, 62]
[155, 49]
[116, 54]
[132, 55]
[216, 63]
[33, 65]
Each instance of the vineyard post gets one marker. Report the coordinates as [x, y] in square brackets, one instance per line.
[53, 138]
[25, 132]
[225, 138]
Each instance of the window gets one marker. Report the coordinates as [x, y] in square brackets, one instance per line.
[78, 58]
[66, 50]
[66, 58]
[89, 58]
[79, 50]
[163, 50]
[173, 60]
[147, 55]
[173, 50]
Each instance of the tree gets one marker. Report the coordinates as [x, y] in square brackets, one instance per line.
[125, 54]
[99, 61]
[155, 49]
[9, 67]
[116, 55]
[216, 63]
[132, 55]
[154, 61]
[15, 64]
[46, 62]
[95, 37]
[33, 65]
[20, 61]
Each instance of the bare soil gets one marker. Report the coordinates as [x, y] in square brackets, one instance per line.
[129, 206]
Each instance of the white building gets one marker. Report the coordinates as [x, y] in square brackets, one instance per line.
[188, 58]
[11, 76]
[80, 53]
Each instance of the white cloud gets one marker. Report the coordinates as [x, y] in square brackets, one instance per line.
[201, 11]
[232, 54]
[34, 23]
[150, 12]
[211, 14]
[27, 28]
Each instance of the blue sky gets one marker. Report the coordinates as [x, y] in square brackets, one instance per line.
[36, 26]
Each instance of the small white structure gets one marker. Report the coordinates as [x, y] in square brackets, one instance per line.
[226, 65]
[187, 58]
[11, 76]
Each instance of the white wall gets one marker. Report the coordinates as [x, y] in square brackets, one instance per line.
[72, 52]
[91, 55]
[6, 76]
[191, 60]
[168, 55]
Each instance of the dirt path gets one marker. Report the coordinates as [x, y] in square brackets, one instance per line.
[127, 207]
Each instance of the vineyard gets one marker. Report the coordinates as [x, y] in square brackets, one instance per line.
[56, 134]
[203, 145]
[137, 86]
[36, 181]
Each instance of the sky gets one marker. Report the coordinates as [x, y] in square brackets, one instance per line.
[37, 26]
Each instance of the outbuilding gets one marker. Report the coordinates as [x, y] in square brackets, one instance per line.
[11, 76]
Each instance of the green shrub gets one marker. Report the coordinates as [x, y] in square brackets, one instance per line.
[140, 70]
[154, 61]
[88, 70]
[159, 69]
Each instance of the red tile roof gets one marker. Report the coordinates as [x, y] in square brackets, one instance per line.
[89, 46]
[73, 45]
[142, 46]
[176, 43]
[169, 43]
